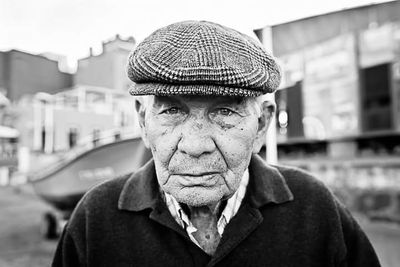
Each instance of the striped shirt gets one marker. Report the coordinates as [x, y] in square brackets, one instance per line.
[230, 210]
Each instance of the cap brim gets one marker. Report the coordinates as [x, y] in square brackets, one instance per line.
[163, 89]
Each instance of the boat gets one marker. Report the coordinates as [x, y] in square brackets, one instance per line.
[63, 183]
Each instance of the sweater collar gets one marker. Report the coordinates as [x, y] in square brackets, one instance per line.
[266, 185]
[140, 190]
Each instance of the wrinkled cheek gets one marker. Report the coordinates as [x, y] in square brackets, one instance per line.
[238, 152]
[162, 142]
[162, 146]
[163, 150]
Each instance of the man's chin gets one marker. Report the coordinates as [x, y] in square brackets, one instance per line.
[196, 197]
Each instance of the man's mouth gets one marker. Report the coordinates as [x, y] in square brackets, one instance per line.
[204, 179]
[197, 174]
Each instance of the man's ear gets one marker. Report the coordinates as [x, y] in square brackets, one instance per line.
[141, 112]
[267, 113]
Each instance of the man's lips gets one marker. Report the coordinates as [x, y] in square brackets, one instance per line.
[196, 174]
[197, 179]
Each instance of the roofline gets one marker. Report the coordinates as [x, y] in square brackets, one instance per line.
[12, 50]
[28, 53]
[326, 13]
[77, 87]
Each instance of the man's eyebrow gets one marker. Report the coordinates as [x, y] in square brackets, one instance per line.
[239, 101]
[162, 100]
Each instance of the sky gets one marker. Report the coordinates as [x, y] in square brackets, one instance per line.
[70, 27]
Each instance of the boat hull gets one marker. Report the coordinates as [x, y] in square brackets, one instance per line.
[64, 186]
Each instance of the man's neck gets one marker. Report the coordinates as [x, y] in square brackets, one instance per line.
[205, 219]
[212, 208]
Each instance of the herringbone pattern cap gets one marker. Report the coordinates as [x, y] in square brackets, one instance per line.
[201, 58]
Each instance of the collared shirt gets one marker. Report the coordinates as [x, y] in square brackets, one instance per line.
[230, 210]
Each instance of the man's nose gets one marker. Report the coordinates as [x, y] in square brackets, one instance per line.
[196, 138]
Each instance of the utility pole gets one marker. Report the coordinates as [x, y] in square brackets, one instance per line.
[271, 152]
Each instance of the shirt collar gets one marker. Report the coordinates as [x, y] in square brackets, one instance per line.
[230, 210]
[266, 185]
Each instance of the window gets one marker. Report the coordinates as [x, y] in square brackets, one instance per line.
[73, 137]
[290, 111]
[376, 101]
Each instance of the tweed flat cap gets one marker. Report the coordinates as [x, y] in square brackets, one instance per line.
[201, 58]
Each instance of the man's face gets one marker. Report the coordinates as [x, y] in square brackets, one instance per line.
[201, 145]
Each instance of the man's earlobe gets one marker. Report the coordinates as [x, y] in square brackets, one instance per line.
[267, 113]
[141, 112]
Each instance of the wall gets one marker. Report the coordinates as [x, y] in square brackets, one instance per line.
[105, 70]
[85, 122]
[96, 71]
[334, 88]
[25, 124]
[29, 74]
[121, 79]
[3, 57]
[291, 36]
[331, 86]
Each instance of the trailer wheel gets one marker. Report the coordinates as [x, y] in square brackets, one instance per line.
[48, 227]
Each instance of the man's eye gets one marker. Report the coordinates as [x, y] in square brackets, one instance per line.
[171, 111]
[224, 111]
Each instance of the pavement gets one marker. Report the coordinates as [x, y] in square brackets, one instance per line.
[21, 244]
[385, 237]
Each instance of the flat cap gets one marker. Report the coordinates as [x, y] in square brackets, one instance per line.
[201, 58]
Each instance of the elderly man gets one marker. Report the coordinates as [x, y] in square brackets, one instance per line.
[206, 198]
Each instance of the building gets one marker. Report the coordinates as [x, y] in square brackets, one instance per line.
[54, 111]
[338, 107]
[56, 123]
[23, 73]
[108, 68]
[341, 81]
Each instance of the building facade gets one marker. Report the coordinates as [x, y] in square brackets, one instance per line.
[56, 123]
[341, 82]
[108, 68]
[338, 107]
[23, 73]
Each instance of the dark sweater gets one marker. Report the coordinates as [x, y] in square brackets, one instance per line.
[287, 218]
